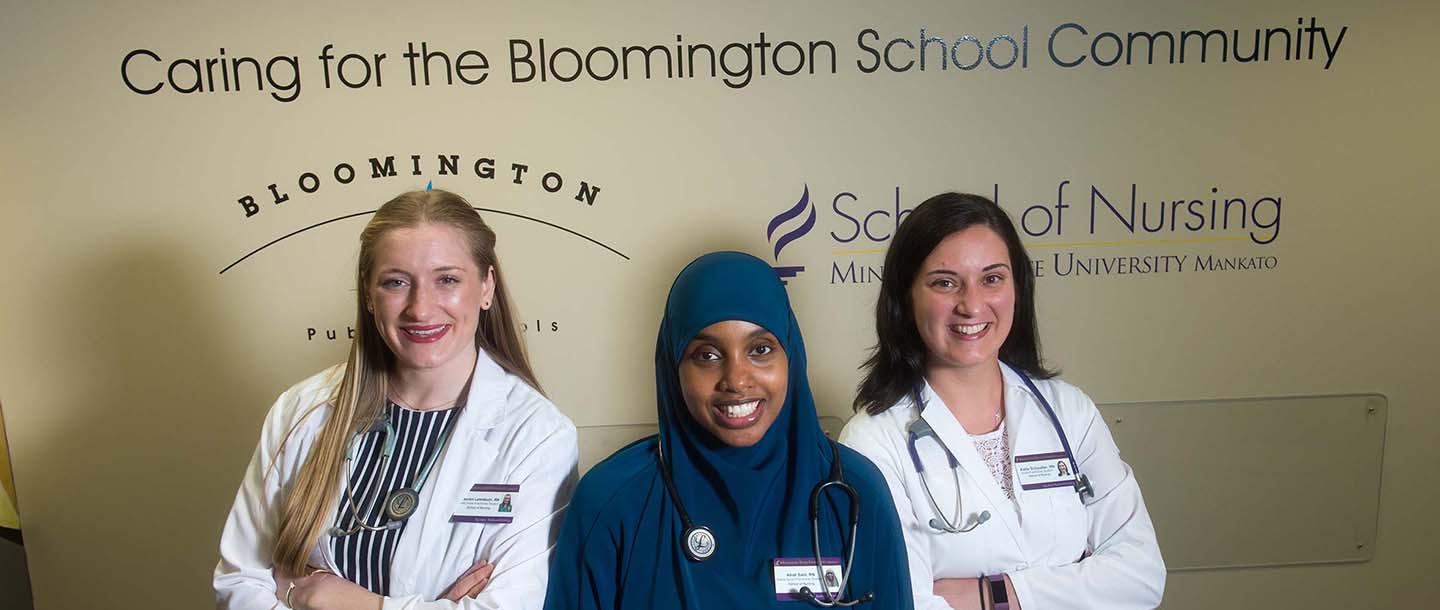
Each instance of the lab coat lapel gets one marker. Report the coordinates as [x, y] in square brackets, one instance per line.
[1030, 433]
[466, 456]
[973, 467]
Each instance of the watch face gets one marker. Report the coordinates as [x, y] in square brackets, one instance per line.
[997, 591]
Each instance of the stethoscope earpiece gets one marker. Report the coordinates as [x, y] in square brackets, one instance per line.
[336, 531]
[807, 595]
[945, 527]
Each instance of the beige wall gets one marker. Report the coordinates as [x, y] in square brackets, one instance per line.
[135, 374]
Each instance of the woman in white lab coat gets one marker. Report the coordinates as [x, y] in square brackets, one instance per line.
[956, 389]
[378, 483]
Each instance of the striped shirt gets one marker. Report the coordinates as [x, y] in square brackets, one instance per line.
[364, 557]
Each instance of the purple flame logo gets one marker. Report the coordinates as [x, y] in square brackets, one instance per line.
[800, 207]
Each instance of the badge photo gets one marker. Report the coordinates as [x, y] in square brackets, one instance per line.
[487, 503]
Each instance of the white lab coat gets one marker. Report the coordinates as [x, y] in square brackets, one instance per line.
[507, 433]
[1060, 553]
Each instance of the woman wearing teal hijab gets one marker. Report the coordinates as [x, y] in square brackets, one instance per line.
[744, 450]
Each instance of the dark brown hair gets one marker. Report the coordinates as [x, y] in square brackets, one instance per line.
[896, 365]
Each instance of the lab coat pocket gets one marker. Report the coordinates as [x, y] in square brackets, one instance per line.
[1071, 529]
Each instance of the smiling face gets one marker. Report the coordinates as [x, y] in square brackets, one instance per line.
[426, 294]
[964, 299]
[734, 376]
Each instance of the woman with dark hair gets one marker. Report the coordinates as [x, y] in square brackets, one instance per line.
[377, 483]
[740, 501]
[970, 429]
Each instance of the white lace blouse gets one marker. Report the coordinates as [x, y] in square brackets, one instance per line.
[994, 449]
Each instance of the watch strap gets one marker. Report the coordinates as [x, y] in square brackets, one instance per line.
[999, 597]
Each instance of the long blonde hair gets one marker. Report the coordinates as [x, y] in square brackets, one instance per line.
[359, 401]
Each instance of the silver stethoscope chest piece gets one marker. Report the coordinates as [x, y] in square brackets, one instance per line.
[699, 542]
[401, 503]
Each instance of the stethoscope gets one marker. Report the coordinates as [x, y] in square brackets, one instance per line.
[399, 504]
[700, 543]
[919, 429]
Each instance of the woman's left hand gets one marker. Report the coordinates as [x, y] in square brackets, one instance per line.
[471, 583]
[322, 590]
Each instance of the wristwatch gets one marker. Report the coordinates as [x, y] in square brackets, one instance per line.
[998, 598]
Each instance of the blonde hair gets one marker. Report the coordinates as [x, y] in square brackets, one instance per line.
[360, 399]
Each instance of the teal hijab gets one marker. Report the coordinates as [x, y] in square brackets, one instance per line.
[754, 498]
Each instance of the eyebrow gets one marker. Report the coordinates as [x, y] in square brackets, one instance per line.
[435, 270]
[709, 338]
[950, 272]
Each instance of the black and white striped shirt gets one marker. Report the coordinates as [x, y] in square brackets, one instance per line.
[364, 557]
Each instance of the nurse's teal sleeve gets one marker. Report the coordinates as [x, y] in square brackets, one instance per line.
[584, 572]
[881, 547]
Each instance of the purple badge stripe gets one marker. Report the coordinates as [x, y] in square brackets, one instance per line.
[1040, 456]
[475, 519]
[795, 597]
[495, 487]
[1050, 485]
[805, 561]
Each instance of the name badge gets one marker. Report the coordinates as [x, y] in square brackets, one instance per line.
[1044, 471]
[793, 573]
[487, 503]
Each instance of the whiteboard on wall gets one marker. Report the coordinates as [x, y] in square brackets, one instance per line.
[1257, 481]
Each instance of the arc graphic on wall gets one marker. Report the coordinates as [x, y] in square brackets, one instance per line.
[478, 209]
